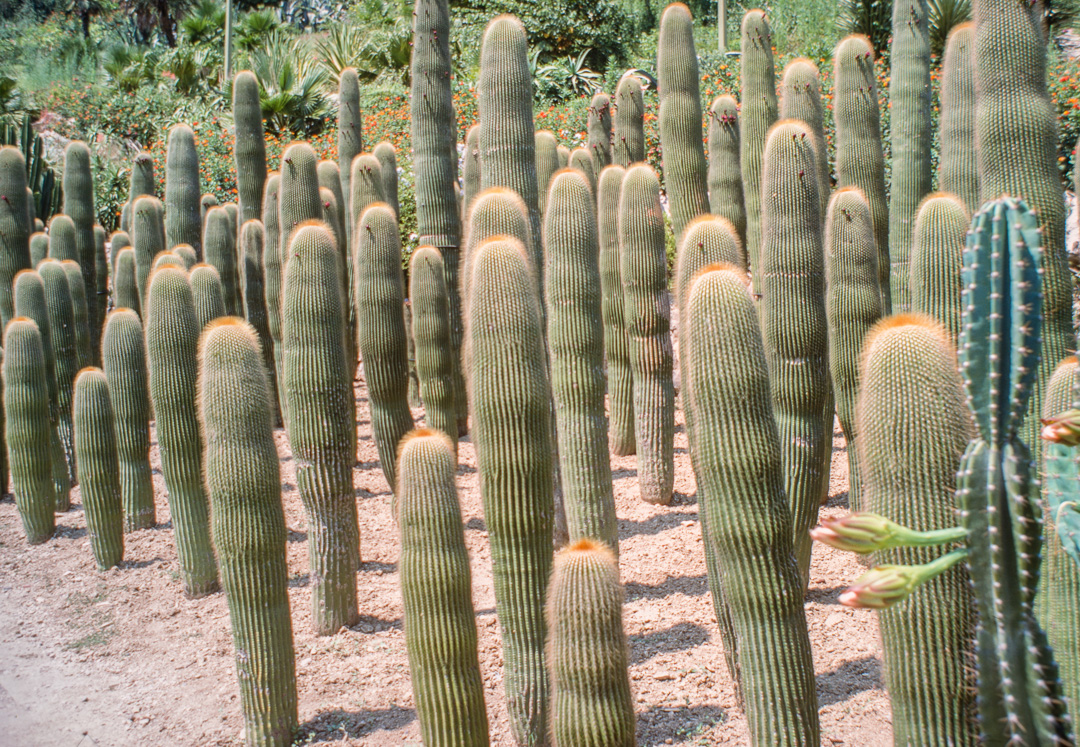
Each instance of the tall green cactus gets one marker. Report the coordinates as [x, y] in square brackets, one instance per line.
[65, 355]
[367, 188]
[793, 322]
[350, 139]
[599, 129]
[125, 282]
[141, 182]
[272, 265]
[643, 266]
[685, 168]
[321, 421]
[101, 264]
[298, 192]
[183, 218]
[620, 376]
[207, 294]
[582, 161]
[219, 250]
[118, 240]
[440, 625]
[330, 179]
[757, 81]
[495, 212]
[123, 358]
[958, 167]
[148, 237]
[801, 100]
[736, 454]
[80, 312]
[629, 145]
[252, 276]
[332, 219]
[547, 163]
[575, 334]
[79, 206]
[471, 172]
[26, 428]
[591, 702]
[725, 175]
[414, 380]
[39, 247]
[387, 155]
[910, 385]
[172, 337]
[250, 146]
[99, 468]
[62, 238]
[431, 333]
[244, 485]
[860, 157]
[206, 202]
[852, 307]
[510, 405]
[937, 252]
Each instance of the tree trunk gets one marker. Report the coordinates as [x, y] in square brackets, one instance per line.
[86, 24]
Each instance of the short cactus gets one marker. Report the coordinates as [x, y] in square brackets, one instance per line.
[62, 238]
[431, 333]
[725, 175]
[582, 161]
[39, 247]
[80, 311]
[206, 202]
[141, 182]
[937, 252]
[183, 218]
[495, 212]
[207, 294]
[252, 277]
[99, 469]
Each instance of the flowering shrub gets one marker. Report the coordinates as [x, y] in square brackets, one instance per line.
[87, 110]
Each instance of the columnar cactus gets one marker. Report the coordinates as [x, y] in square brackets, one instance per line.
[495, 212]
[599, 129]
[380, 327]
[148, 237]
[273, 248]
[125, 282]
[298, 193]
[332, 218]
[168, 258]
[387, 155]
[685, 168]
[244, 485]
[440, 625]
[39, 247]
[80, 312]
[582, 161]
[547, 163]
[937, 252]
[62, 238]
[736, 454]
[725, 175]
[350, 138]
[185, 254]
[123, 358]
[471, 175]
[321, 421]
[510, 406]
[629, 145]
[591, 702]
[330, 179]
[852, 307]
[172, 337]
[575, 334]
[141, 182]
[414, 380]
[910, 385]
[759, 110]
[643, 266]
[119, 240]
[564, 156]
[207, 294]
[250, 146]
[26, 427]
[183, 218]
[64, 342]
[99, 469]
[219, 250]
[367, 188]
[620, 377]
[79, 206]
[431, 334]
[958, 169]
[252, 276]
[793, 321]
[801, 100]
[206, 202]
[101, 263]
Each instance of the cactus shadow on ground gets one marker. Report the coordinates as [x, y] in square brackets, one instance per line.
[692, 586]
[339, 724]
[848, 679]
[679, 637]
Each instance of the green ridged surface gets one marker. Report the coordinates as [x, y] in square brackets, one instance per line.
[148, 237]
[591, 700]
[26, 429]
[387, 155]
[39, 247]
[330, 179]
[620, 376]
[794, 326]
[62, 238]
[79, 206]
[801, 99]
[207, 293]
[243, 481]
[119, 240]
[725, 175]
[440, 625]
[958, 167]
[575, 333]
[185, 254]
[860, 157]
[757, 94]
[65, 355]
[249, 148]
[183, 219]
[598, 126]
[510, 406]
[547, 163]
[380, 326]
[643, 266]
[206, 202]
[252, 277]
[101, 262]
[736, 455]
[167, 258]
[142, 181]
[629, 143]
[350, 135]
[685, 168]
[321, 422]
[125, 283]
[331, 218]
[937, 252]
[367, 188]
[495, 212]
[564, 156]
[852, 307]
[123, 357]
[471, 176]
[431, 332]
[99, 469]
[582, 161]
[80, 312]
[298, 193]
[272, 278]
[219, 250]
[414, 380]
[172, 337]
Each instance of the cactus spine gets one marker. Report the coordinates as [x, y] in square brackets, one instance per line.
[65, 356]
[643, 266]
[736, 455]
[958, 170]
[79, 206]
[148, 237]
[802, 100]
[26, 426]
[431, 332]
[125, 282]
[599, 129]
[440, 625]
[298, 192]
[510, 405]
[321, 421]
[99, 469]
[937, 252]
[62, 238]
[207, 294]
[15, 226]
[629, 146]
[685, 168]
[725, 175]
[495, 212]
[123, 358]
[387, 155]
[350, 142]
[591, 701]
[172, 337]
[219, 250]
[582, 161]
[183, 217]
[250, 146]
[244, 486]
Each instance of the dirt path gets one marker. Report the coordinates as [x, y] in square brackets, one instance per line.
[122, 658]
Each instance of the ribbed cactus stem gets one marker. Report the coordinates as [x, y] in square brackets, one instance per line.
[591, 702]
[367, 188]
[581, 160]
[471, 176]
[207, 293]
[298, 193]
[272, 277]
[440, 625]
[321, 421]
[39, 247]
[141, 182]
[148, 237]
[958, 167]
[172, 337]
[725, 175]
[183, 219]
[937, 253]
[599, 129]
[65, 355]
[101, 262]
[252, 280]
[801, 99]
[79, 206]
[387, 155]
[125, 282]
[62, 238]
[185, 254]
[119, 240]
[547, 163]
[250, 146]
[15, 226]
[431, 334]
[206, 202]
[244, 485]
[629, 143]
[219, 250]
[99, 468]
[643, 266]
[80, 312]
[510, 405]
[495, 212]
[350, 137]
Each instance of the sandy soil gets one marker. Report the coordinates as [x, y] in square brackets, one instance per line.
[123, 658]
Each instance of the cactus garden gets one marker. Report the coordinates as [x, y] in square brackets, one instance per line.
[457, 374]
